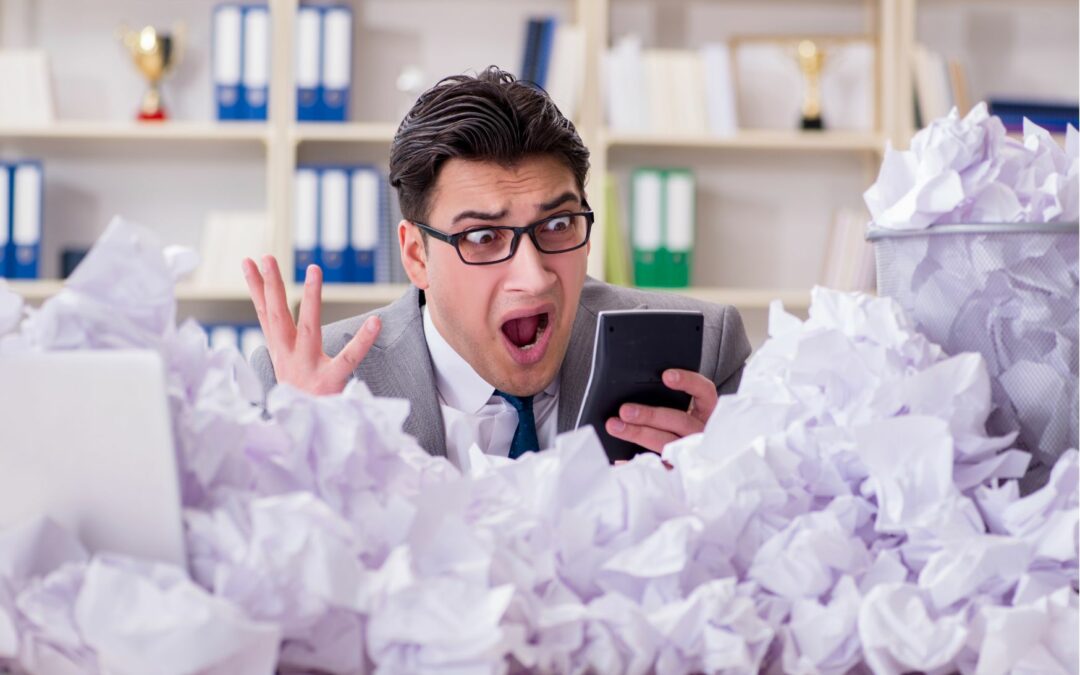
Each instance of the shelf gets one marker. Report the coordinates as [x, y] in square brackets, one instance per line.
[42, 289]
[348, 132]
[36, 290]
[745, 298]
[133, 131]
[362, 294]
[840, 141]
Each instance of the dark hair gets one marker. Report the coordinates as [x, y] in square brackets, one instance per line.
[491, 117]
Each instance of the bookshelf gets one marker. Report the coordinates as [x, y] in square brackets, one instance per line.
[766, 197]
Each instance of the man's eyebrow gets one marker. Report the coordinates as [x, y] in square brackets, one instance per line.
[567, 196]
[478, 215]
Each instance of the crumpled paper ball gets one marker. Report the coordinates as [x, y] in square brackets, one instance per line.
[846, 507]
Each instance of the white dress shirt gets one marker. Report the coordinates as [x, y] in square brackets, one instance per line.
[473, 414]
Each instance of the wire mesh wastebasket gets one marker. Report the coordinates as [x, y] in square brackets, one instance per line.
[1009, 292]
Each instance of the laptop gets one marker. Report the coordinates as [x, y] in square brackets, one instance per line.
[86, 439]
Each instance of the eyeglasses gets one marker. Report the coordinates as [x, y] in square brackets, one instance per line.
[489, 245]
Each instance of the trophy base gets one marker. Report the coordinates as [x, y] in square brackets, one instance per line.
[812, 123]
[155, 116]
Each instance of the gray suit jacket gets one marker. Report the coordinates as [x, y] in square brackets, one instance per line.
[399, 365]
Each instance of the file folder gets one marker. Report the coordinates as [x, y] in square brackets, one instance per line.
[227, 61]
[26, 219]
[5, 220]
[334, 224]
[256, 61]
[305, 220]
[336, 63]
[308, 62]
[223, 336]
[646, 225]
[678, 227]
[366, 219]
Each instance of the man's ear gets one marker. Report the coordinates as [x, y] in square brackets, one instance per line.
[413, 254]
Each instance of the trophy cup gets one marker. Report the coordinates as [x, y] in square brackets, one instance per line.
[155, 53]
[811, 58]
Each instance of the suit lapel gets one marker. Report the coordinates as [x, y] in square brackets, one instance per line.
[399, 366]
[574, 374]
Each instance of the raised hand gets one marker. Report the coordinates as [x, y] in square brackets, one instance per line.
[296, 350]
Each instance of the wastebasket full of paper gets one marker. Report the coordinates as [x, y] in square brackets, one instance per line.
[975, 235]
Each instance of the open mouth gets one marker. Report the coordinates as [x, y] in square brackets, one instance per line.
[527, 336]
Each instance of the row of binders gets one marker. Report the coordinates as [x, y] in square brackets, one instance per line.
[662, 226]
[244, 337]
[21, 193]
[241, 61]
[242, 53]
[345, 222]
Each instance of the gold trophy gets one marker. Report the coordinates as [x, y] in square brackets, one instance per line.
[811, 58]
[155, 53]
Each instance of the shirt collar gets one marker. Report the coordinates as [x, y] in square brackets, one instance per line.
[460, 386]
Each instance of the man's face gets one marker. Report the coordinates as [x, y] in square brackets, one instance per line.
[512, 320]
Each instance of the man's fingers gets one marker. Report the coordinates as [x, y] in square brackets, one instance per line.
[282, 333]
[354, 352]
[254, 282]
[646, 437]
[678, 422]
[701, 388]
[309, 328]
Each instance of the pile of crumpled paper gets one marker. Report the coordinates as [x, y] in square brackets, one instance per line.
[1005, 287]
[846, 507]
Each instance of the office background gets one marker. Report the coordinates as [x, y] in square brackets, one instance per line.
[771, 207]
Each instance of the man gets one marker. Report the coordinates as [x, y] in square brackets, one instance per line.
[493, 342]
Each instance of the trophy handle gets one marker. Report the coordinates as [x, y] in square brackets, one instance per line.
[179, 42]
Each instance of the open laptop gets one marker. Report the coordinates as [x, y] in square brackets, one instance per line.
[85, 438]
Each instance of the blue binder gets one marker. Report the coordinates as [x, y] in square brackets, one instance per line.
[336, 66]
[5, 220]
[228, 61]
[365, 244]
[26, 208]
[306, 220]
[256, 61]
[334, 224]
[308, 63]
[543, 57]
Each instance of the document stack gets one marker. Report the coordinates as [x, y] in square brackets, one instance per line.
[241, 61]
[662, 226]
[323, 63]
[344, 224]
[21, 190]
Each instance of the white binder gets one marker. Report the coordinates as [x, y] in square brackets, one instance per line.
[26, 220]
[308, 59]
[336, 63]
[227, 59]
[334, 223]
[256, 61]
[305, 220]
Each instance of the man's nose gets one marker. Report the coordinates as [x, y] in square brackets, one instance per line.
[528, 269]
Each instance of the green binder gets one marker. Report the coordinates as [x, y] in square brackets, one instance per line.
[662, 226]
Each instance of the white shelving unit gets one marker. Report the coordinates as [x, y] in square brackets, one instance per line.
[765, 197]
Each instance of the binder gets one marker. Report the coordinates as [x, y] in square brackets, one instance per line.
[223, 336]
[678, 227]
[333, 239]
[305, 220]
[5, 220]
[532, 49]
[26, 195]
[646, 225]
[543, 58]
[366, 218]
[227, 61]
[256, 61]
[336, 63]
[308, 61]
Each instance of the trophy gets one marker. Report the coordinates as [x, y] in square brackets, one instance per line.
[811, 57]
[155, 53]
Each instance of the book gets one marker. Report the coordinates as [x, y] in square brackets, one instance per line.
[566, 77]
[337, 27]
[308, 61]
[26, 219]
[849, 259]
[27, 98]
[719, 89]
[333, 240]
[305, 220]
[626, 102]
[933, 95]
[227, 238]
[617, 268]
[256, 62]
[227, 58]
[1053, 116]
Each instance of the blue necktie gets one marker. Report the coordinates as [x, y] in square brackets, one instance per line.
[525, 437]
